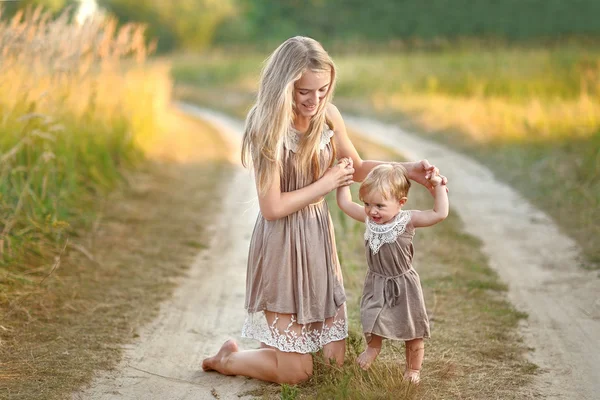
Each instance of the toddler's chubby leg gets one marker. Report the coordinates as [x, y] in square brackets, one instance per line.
[415, 350]
[367, 357]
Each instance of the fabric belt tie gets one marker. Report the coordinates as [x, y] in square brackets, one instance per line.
[391, 288]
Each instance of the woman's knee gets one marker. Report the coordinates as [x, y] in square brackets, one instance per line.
[335, 352]
[294, 368]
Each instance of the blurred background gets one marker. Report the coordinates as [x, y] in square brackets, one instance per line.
[89, 92]
[86, 87]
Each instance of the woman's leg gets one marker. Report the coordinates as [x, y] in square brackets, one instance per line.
[415, 351]
[269, 365]
[335, 351]
[367, 357]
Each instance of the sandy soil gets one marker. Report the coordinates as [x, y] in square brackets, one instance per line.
[539, 263]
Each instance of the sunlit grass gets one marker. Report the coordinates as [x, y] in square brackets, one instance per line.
[501, 92]
[77, 105]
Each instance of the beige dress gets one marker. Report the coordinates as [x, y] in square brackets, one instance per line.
[392, 305]
[294, 291]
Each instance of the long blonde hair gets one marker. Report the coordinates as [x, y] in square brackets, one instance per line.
[271, 117]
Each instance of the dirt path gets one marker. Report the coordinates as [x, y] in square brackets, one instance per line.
[524, 246]
[207, 308]
[538, 262]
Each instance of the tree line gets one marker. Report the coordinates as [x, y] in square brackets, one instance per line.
[197, 24]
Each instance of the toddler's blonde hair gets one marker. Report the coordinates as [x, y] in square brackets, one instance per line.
[390, 180]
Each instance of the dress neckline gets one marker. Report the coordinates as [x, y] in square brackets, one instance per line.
[379, 234]
[293, 138]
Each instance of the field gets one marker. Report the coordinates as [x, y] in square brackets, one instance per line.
[531, 114]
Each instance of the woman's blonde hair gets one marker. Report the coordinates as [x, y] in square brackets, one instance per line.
[390, 180]
[272, 116]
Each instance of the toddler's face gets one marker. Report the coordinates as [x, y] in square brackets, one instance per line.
[381, 210]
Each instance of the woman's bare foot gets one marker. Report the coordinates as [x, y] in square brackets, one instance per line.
[367, 357]
[218, 361]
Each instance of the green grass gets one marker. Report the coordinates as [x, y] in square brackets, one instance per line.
[51, 179]
[517, 73]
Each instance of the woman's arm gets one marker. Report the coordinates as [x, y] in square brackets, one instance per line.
[344, 201]
[275, 204]
[421, 219]
[418, 171]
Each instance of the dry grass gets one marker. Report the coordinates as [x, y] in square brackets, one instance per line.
[111, 280]
[487, 120]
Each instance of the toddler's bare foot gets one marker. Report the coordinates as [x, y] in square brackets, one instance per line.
[367, 357]
[218, 361]
[413, 376]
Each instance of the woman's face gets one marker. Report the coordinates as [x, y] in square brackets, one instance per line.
[310, 90]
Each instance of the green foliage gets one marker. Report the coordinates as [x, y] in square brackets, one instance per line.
[188, 24]
[197, 24]
[289, 392]
[9, 8]
[48, 168]
[334, 21]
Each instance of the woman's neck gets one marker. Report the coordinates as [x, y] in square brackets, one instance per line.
[301, 123]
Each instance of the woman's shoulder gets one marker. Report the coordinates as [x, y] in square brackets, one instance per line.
[334, 115]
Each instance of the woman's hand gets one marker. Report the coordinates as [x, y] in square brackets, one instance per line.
[340, 174]
[422, 171]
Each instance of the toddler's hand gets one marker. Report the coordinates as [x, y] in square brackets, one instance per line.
[435, 180]
[346, 161]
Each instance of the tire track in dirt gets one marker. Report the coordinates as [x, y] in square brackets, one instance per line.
[538, 262]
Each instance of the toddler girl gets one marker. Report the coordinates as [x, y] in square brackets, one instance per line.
[392, 305]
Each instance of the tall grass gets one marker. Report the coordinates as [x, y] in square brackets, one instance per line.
[76, 107]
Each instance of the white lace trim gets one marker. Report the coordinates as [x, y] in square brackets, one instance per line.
[379, 234]
[295, 338]
[292, 139]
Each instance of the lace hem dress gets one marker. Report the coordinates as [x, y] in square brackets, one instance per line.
[295, 297]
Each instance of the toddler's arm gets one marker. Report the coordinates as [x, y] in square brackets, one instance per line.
[439, 212]
[344, 200]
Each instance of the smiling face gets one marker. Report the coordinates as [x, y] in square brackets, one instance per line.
[381, 210]
[309, 92]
